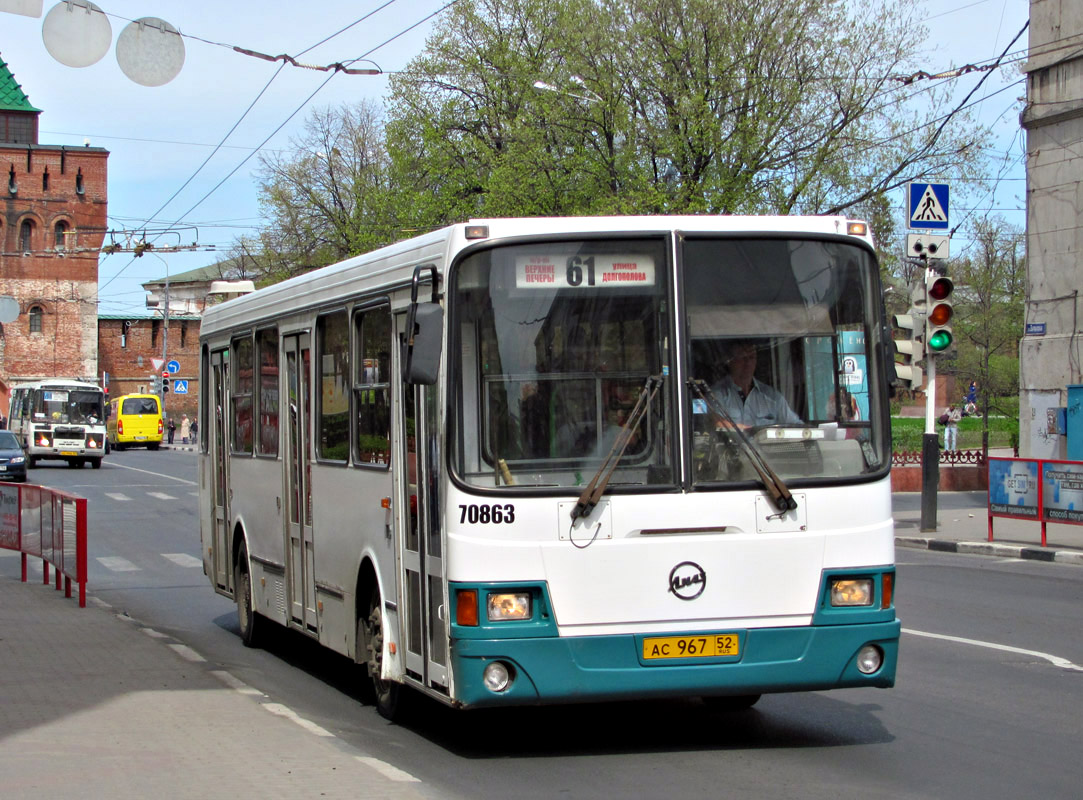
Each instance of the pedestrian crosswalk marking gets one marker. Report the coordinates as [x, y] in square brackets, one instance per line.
[117, 564]
[120, 497]
[161, 495]
[183, 559]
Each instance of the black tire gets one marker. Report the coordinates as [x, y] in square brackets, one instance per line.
[154, 445]
[32, 462]
[250, 622]
[96, 463]
[385, 695]
[735, 702]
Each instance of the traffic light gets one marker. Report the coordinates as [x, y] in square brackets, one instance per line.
[165, 382]
[938, 335]
[912, 347]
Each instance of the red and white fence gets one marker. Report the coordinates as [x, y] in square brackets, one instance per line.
[50, 525]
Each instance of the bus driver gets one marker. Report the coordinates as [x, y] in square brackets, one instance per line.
[746, 399]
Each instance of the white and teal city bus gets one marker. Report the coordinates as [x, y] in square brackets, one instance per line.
[59, 418]
[495, 463]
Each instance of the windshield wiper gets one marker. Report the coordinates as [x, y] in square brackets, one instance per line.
[776, 488]
[594, 490]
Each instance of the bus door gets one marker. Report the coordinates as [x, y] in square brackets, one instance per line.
[219, 450]
[422, 562]
[300, 556]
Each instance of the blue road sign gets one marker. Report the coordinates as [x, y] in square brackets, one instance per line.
[173, 367]
[180, 386]
[928, 206]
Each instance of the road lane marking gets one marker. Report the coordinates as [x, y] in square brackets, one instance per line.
[390, 772]
[161, 496]
[288, 713]
[118, 496]
[187, 653]
[117, 564]
[1056, 661]
[183, 559]
[158, 474]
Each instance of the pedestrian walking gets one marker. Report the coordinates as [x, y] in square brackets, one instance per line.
[195, 430]
[3, 421]
[172, 429]
[951, 428]
[186, 429]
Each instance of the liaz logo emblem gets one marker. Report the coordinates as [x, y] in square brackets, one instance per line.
[687, 580]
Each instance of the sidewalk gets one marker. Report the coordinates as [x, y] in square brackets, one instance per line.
[96, 704]
[963, 527]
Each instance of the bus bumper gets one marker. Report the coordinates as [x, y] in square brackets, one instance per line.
[596, 668]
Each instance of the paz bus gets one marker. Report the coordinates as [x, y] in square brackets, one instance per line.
[59, 418]
[490, 463]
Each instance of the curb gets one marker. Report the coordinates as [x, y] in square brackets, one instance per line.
[991, 549]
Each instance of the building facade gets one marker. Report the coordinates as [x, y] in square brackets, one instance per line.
[1051, 351]
[53, 218]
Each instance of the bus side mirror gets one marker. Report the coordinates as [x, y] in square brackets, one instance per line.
[421, 350]
[424, 334]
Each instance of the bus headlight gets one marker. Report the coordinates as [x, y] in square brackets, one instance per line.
[508, 605]
[851, 592]
[869, 659]
[497, 676]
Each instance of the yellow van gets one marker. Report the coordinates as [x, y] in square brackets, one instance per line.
[135, 420]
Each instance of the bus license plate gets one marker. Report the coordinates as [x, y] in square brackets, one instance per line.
[68, 453]
[703, 646]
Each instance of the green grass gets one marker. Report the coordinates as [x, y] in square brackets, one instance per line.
[906, 432]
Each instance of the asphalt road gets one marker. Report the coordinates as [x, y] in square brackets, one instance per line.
[988, 704]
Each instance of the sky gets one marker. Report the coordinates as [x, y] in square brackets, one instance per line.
[158, 137]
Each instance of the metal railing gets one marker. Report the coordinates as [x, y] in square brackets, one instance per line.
[50, 525]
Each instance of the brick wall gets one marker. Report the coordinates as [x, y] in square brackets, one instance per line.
[49, 186]
[126, 349]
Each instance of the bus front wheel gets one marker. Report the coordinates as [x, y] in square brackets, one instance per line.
[247, 619]
[370, 653]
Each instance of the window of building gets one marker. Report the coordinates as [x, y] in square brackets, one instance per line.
[45, 180]
[35, 315]
[79, 188]
[26, 236]
[59, 237]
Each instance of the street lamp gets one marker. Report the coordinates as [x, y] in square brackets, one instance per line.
[589, 96]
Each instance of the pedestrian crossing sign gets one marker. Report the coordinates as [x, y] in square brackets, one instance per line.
[928, 206]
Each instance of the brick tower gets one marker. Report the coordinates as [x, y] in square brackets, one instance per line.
[52, 223]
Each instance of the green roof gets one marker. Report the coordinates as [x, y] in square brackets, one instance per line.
[12, 96]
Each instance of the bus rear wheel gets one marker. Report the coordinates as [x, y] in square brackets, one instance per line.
[247, 619]
[370, 654]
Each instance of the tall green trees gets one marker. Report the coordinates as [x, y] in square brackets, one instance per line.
[990, 282]
[570, 107]
[666, 106]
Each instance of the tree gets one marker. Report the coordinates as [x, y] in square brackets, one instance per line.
[666, 106]
[989, 303]
[326, 199]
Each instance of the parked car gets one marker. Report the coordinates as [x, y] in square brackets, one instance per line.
[12, 457]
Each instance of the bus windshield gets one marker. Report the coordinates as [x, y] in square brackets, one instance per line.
[555, 342]
[67, 406]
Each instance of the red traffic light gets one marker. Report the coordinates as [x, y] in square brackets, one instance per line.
[940, 288]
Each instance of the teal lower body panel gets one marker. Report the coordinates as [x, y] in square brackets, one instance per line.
[595, 668]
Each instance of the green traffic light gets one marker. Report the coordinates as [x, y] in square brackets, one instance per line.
[939, 341]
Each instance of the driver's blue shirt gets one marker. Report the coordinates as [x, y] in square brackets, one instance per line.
[764, 405]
